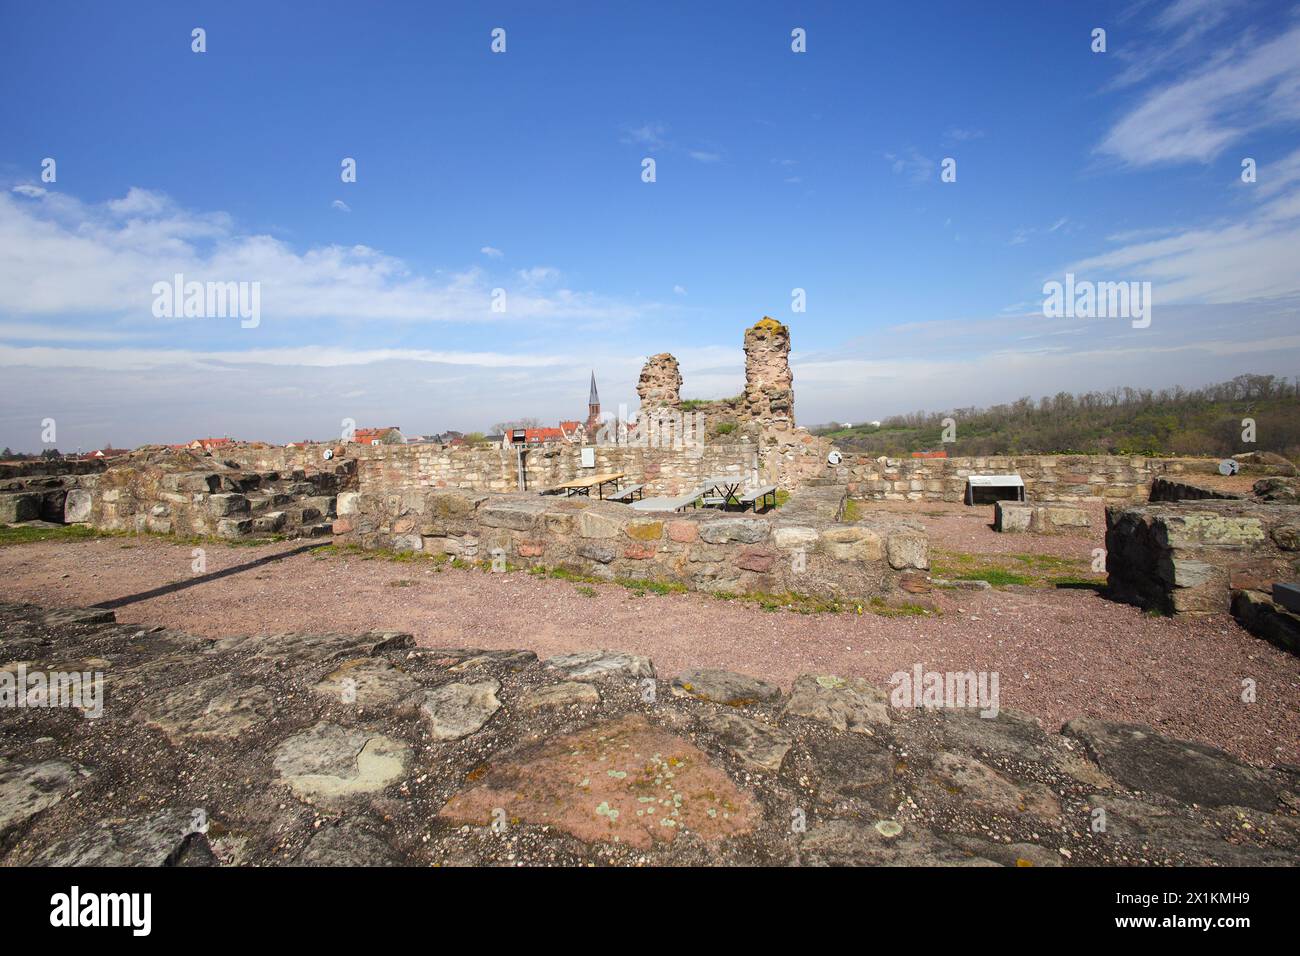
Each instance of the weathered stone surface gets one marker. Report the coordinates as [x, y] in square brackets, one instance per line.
[223, 505]
[557, 786]
[728, 530]
[28, 789]
[794, 537]
[619, 781]
[1266, 618]
[19, 507]
[593, 524]
[457, 710]
[347, 844]
[1141, 759]
[758, 746]
[166, 838]
[348, 503]
[517, 515]
[725, 687]
[853, 543]
[845, 704]
[77, 506]
[1188, 557]
[292, 649]
[593, 665]
[985, 788]
[564, 694]
[330, 762]
[908, 550]
[221, 706]
[660, 383]
[850, 843]
[366, 682]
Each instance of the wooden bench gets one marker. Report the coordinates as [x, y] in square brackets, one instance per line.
[756, 496]
[666, 503]
[627, 494]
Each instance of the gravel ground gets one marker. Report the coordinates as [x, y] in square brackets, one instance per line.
[957, 527]
[1059, 653]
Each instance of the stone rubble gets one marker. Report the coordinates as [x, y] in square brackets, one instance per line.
[585, 758]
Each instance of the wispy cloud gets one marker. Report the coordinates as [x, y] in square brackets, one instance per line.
[1248, 87]
[60, 256]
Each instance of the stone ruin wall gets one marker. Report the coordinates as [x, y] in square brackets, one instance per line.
[1192, 556]
[185, 494]
[490, 468]
[807, 552]
[1047, 477]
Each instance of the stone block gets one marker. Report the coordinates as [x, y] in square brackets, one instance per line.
[23, 506]
[222, 505]
[593, 524]
[77, 506]
[515, 515]
[908, 549]
[1012, 517]
[735, 530]
[234, 527]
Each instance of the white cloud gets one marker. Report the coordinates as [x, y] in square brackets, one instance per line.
[61, 257]
[704, 156]
[340, 205]
[492, 252]
[650, 134]
[679, 290]
[31, 192]
[1194, 118]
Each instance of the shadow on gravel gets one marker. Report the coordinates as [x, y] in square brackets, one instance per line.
[205, 578]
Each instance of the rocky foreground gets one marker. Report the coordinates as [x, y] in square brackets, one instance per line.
[363, 749]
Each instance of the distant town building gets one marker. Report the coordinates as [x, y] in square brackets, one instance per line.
[593, 408]
[391, 435]
[209, 444]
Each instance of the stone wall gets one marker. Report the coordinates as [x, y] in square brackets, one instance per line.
[1046, 477]
[1189, 557]
[186, 494]
[702, 549]
[489, 468]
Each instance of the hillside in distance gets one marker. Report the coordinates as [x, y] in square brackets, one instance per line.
[1207, 421]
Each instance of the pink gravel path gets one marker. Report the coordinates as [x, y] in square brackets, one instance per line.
[1059, 653]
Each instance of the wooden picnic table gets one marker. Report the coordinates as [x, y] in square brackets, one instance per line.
[583, 486]
[727, 488]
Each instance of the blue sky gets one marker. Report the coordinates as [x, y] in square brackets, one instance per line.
[522, 171]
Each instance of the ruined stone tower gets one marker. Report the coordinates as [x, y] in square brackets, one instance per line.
[769, 384]
[661, 383]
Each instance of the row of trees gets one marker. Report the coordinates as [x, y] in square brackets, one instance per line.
[1172, 421]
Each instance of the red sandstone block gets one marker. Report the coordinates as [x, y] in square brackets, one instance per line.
[683, 532]
[342, 525]
[756, 559]
[639, 551]
[531, 549]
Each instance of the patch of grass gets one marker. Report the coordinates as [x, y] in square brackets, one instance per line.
[586, 590]
[24, 534]
[1032, 570]
[852, 511]
[640, 587]
[401, 583]
[782, 496]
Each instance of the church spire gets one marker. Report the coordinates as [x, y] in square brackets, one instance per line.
[594, 399]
